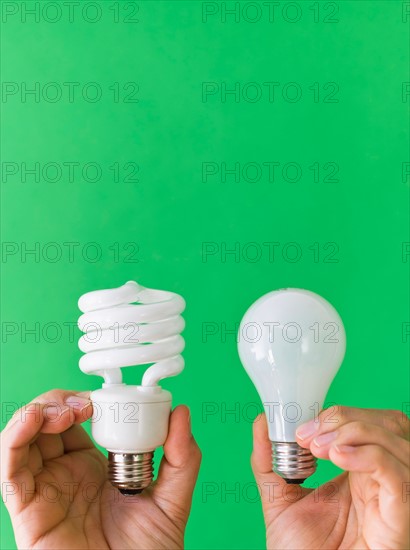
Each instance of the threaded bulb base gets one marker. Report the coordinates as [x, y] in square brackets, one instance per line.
[131, 473]
[292, 462]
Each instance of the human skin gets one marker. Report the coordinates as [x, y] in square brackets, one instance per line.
[54, 482]
[366, 507]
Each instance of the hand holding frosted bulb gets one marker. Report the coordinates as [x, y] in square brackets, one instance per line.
[366, 507]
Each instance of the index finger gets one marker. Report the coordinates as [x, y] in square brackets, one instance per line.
[334, 417]
[48, 414]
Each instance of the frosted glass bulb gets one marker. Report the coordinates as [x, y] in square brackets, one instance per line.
[291, 343]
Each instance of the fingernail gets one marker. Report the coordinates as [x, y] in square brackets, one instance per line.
[52, 412]
[307, 430]
[324, 439]
[77, 402]
[344, 448]
[189, 419]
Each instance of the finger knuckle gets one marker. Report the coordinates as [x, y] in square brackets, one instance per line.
[394, 421]
[197, 453]
[395, 413]
[53, 395]
[379, 455]
[332, 416]
[402, 421]
[357, 428]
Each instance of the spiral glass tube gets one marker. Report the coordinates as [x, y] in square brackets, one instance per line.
[124, 327]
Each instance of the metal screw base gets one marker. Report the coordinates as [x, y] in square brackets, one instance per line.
[292, 462]
[131, 473]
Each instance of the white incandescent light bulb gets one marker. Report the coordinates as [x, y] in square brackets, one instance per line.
[126, 326]
[291, 343]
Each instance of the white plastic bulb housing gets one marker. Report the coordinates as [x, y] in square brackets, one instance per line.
[127, 326]
[291, 342]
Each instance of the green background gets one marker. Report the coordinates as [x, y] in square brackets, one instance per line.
[171, 212]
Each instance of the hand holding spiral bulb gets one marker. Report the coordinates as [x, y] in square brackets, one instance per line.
[127, 326]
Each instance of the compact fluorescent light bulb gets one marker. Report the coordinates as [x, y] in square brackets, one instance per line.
[126, 326]
[291, 343]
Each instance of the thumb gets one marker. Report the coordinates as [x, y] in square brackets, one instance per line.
[275, 493]
[179, 467]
